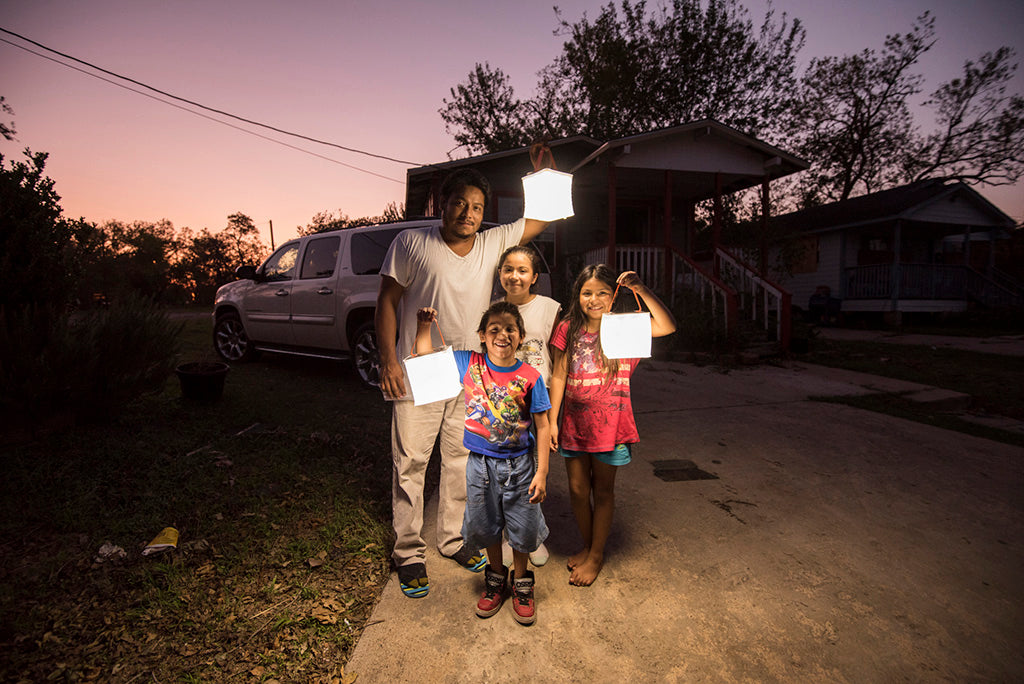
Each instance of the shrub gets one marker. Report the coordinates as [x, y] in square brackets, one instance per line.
[86, 365]
[697, 328]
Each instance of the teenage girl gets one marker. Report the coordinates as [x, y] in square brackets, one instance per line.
[597, 430]
[518, 270]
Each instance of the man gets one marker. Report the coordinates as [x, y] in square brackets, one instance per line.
[450, 268]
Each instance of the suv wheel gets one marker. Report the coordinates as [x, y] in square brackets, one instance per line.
[365, 354]
[230, 340]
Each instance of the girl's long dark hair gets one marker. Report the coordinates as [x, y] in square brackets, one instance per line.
[578, 319]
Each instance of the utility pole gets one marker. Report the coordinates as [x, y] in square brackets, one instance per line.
[272, 248]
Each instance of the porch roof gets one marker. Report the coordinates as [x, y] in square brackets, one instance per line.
[920, 201]
[695, 153]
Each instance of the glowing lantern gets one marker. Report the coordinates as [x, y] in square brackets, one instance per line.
[626, 335]
[433, 377]
[547, 191]
[548, 195]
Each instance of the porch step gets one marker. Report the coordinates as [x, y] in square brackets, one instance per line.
[755, 353]
[941, 399]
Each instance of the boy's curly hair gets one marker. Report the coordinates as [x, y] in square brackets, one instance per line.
[497, 309]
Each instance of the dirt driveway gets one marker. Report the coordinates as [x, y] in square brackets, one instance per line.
[834, 545]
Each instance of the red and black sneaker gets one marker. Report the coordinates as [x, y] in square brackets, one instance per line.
[522, 599]
[495, 589]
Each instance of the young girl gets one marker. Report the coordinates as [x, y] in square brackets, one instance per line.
[504, 487]
[597, 430]
[518, 270]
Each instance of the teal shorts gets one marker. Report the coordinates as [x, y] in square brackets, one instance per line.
[619, 456]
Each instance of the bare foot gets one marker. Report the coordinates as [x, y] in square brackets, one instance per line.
[584, 574]
[576, 559]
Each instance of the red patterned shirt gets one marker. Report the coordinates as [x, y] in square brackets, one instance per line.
[597, 413]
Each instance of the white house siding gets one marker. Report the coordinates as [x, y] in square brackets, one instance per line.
[958, 211]
[708, 154]
[803, 285]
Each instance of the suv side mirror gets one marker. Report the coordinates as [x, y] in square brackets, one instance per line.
[245, 272]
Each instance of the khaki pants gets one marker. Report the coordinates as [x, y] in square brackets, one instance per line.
[413, 432]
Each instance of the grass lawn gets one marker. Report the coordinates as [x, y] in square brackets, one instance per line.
[280, 492]
[995, 382]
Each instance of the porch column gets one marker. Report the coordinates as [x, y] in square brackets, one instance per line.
[716, 224]
[611, 217]
[765, 204]
[894, 278]
[434, 207]
[691, 222]
[667, 270]
[991, 266]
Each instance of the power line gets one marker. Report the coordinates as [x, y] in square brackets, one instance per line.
[193, 103]
[200, 114]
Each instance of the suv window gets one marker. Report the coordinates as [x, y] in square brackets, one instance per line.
[281, 265]
[369, 249]
[320, 257]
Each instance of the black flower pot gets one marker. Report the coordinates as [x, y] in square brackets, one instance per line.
[202, 380]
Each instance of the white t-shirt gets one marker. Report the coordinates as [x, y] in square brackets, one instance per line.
[539, 316]
[459, 287]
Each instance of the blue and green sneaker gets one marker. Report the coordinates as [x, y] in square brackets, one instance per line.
[474, 561]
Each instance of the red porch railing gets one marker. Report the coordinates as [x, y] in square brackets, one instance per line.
[761, 296]
[683, 274]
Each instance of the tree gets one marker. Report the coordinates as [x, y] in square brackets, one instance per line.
[6, 130]
[205, 263]
[87, 364]
[242, 240]
[329, 220]
[483, 112]
[39, 262]
[628, 72]
[980, 128]
[852, 117]
[131, 258]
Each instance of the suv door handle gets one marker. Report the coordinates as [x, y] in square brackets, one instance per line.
[282, 293]
[325, 291]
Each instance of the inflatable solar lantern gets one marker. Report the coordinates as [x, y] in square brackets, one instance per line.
[547, 191]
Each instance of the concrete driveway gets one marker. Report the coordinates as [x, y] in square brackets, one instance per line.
[834, 545]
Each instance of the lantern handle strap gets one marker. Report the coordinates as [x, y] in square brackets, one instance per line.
[439, 334]
[639, 308]
[538, 152]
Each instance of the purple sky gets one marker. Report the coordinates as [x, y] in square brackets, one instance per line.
[364, 75]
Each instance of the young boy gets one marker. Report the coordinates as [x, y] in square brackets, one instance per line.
[503, 488]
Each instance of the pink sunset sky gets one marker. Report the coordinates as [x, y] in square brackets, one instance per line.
[369, 76]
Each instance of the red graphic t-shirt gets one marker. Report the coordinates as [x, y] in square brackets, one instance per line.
[597, 412]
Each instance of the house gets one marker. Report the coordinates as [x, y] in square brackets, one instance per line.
[635, 200]
[930, 246]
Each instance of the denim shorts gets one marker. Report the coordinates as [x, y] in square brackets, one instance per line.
[621, 455]
[498, 498]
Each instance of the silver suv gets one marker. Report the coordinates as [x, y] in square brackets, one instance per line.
[315, 296]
